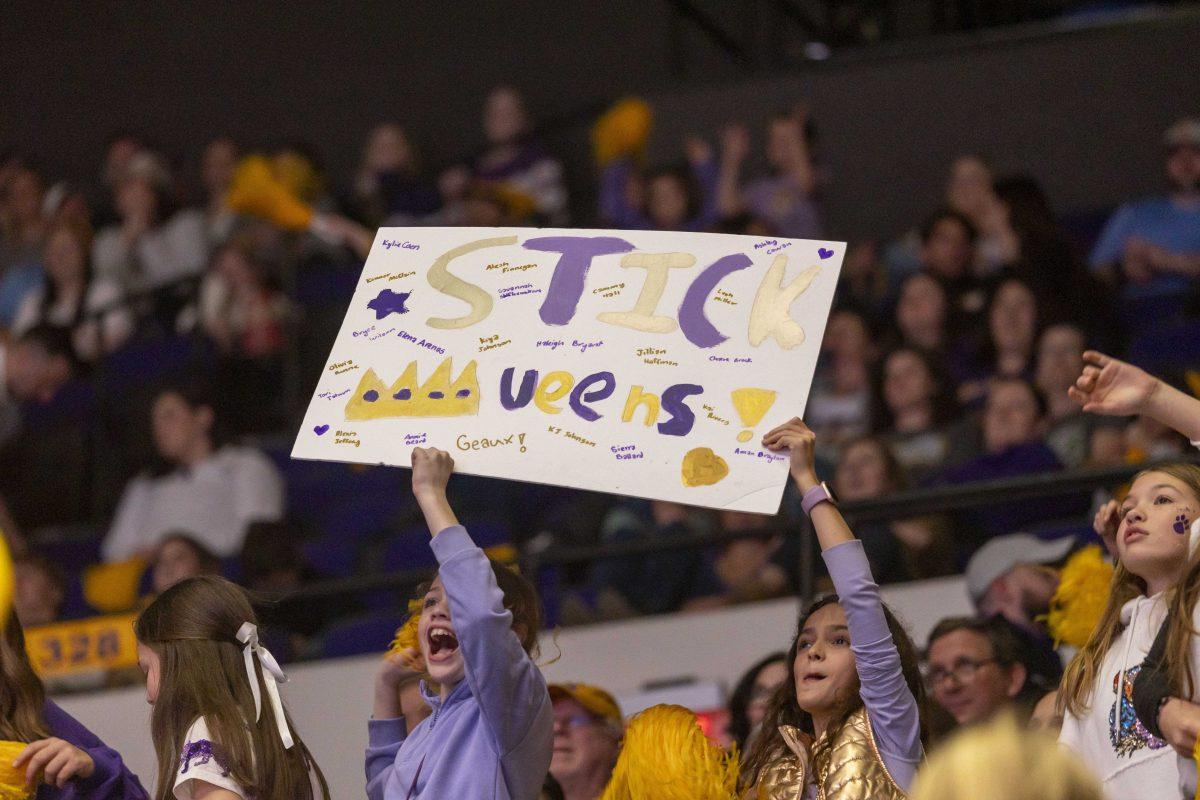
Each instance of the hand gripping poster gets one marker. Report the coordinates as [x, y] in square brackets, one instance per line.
[639, 363]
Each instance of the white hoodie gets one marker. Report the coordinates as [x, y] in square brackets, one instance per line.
[1131, 764]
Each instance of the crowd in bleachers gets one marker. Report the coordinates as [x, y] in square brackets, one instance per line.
[158, 347]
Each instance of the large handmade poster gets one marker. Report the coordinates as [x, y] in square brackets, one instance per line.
[634, 362]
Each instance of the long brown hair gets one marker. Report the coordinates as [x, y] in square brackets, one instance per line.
[784, 710]
[192, 627]
[1084, 670]
[22, 697]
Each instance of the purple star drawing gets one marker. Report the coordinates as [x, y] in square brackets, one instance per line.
[389, 302]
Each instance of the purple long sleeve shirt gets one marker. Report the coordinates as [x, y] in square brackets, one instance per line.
[891, 707]
[111, 779]
[492, 736]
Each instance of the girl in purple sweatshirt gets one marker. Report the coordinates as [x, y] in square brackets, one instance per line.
[846, 725]
[490, 736]
[71, 761]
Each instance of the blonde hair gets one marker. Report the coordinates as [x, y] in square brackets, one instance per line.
[1001, 761]
[1084, 670]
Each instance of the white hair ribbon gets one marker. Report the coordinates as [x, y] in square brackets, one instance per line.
[272, 674]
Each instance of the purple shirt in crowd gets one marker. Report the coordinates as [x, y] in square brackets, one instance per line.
[890, 704]
[110, 780]
[492, 737]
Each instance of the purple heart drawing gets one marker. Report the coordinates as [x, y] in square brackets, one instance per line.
[825, 253]
[321, 430]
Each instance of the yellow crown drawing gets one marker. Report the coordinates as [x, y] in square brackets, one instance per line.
[437, 397]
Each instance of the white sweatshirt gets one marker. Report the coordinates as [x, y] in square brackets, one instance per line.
[1131, 764]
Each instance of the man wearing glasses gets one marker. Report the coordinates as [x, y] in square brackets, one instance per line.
[588, 728]
[975, 668]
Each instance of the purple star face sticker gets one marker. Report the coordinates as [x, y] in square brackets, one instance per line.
[389, 302]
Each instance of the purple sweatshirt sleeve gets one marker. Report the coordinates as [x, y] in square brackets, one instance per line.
[614, 207]
[384, 739]
[508, 686]
[890, 704]
[111, 779]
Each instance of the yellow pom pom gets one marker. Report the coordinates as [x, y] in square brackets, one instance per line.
[1082, 594]
[407, 643]
[667, 757]
[113, 587]
[6, 580]
[257, 192]
[12, 780]
[622, 131]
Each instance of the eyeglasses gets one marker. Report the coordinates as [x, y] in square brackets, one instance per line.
[575, 721]
[963, 671]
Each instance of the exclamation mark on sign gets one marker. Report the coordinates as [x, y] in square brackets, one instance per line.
[521, 441]
[752, 405]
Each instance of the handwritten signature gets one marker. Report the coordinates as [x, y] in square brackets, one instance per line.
[388, 244]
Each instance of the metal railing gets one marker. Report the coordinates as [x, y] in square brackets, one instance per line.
[899, 505]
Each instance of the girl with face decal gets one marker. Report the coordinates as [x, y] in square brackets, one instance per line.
[846, 723]
[492, 728]
[1154, 594]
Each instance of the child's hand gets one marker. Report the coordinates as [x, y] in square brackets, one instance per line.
[58, 761]
[1109, 386]
[1179, 722]
[431, 471]
[395, 668]
[1108, 519]
[796, 437]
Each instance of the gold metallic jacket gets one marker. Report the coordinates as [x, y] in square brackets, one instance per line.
[855, 771]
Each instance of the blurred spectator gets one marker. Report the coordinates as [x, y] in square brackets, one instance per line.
[47, 463]
[515, 159]
[914, 408]
[118, 152]
[1013, 319]
[902, 549]
[202, 486]
[39, 588]
[1154, 243]
[971, 192]
[273, 565]
[651, 584]
[180, 556]
[923, 312]
[1046, 260]
[241, 308]
[1012, 427]
[750, 698]
[152, 246]
[839, 405]
[217, 167]
[588, 728]
[748, 568]
[75, 299]
[1059, 362]
[389, 189]
[948, 253]
[22, 238]
[866, 282]
[1011, 577]
[673, 199]
[783, 199]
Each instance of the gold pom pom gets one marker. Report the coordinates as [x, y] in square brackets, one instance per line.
[1082, 594]
[622, 131]
[667, 757]
[406, 644]
[12, 780]
[6, 580]
[258, 191]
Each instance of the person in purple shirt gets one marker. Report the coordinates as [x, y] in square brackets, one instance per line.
[491, 733]
[854, 688]
[71, 761]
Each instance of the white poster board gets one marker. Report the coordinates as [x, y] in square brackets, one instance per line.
[640, 363]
